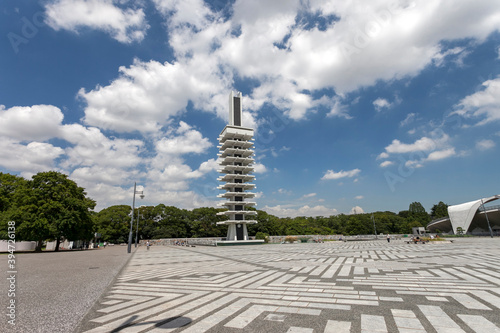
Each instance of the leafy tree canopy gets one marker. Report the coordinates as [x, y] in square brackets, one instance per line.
[439, 210]
[49, 206]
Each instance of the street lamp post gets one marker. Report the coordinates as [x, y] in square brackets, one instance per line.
[137, 229]
[129, 248]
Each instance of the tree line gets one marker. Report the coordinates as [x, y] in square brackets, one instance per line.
[50, 206]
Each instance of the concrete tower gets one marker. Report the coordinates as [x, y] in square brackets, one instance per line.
[236, 161]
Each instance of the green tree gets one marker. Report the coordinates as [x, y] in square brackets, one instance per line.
[172, 222]
[10, 188]
[417, 212]
[147, 221]
[113, 223]
[439, 210]
[203, 223]
[51, 206]
[416, 208]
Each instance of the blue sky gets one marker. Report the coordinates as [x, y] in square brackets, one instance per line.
[357, 106]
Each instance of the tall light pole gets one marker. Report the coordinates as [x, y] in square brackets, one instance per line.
[137, 229]
[487, 220]
[129, 248]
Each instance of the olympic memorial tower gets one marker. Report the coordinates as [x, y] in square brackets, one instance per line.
[236, 161]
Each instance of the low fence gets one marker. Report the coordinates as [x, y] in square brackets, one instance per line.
[211, 241]
[208, 241]
[19, 246]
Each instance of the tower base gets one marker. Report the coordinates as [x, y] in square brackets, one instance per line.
[240, 242]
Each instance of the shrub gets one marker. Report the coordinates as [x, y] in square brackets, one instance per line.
[261, 235]
[290, 239]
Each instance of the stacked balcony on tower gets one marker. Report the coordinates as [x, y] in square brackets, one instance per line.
[236, 162]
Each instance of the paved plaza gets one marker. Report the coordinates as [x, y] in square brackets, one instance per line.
[362, 286]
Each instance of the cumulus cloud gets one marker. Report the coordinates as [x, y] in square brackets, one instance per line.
[365, 43]
[330, 174]
[381, 103]
[386, 164]
[434, 147]
[359, 197]
[423, 144]
[259, 168]
[309, 195]
[28, 159]
[483, 106]
[148, 94]
[208, 166]
[356, 210]
[441, 154]
[92, 147]
[25, 123]
[287, 211]
[126, 25]
[183, 141]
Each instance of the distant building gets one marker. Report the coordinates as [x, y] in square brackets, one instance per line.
[469, 218]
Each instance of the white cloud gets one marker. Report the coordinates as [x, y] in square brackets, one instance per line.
[382, 155]
[283, 191]
[410, 117]
[309, 195]
[437, 146]
[174, 177]
[259, 168]
[185, 140]
[386, 164]
[101, 175]
[483, 105]
[29, 159]
[330, 174]
[356, 210]
[381, 103]
[148, 94]
[385, 42]
[287, 211]
[92, 147]
[485, 144]
[25, 123]
[423, 144]
[337, 109]
[259, 195]
[460, 51]
[437, 140]
[359, 197]
[126, 25]
[441, 154]
[208, 166]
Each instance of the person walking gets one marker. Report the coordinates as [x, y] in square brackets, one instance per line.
[147, 245]
[388, 238]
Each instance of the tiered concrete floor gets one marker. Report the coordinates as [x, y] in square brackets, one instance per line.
[337, 287]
